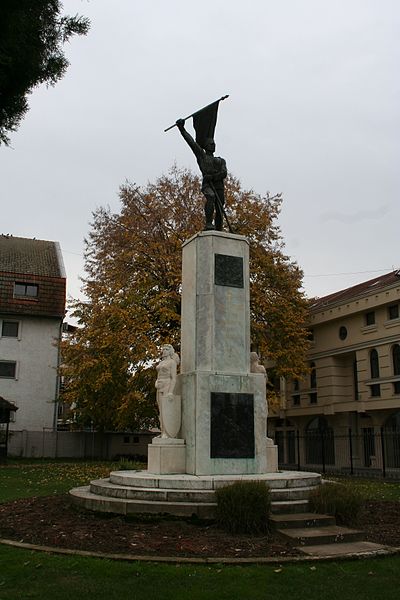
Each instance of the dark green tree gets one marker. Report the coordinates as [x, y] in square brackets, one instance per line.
[32, 34]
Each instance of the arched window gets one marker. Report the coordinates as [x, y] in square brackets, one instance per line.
[392, 423]
[391, 439]
[396, 359]
[374, 364]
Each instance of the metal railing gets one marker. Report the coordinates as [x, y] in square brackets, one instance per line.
[369, 452]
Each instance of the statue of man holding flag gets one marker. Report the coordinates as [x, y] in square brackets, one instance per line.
[213, 168]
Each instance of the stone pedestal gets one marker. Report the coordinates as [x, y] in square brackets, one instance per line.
[224, 410]
[167, 456]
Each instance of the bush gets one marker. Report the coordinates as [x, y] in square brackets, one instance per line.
[342, 501]
[243, 507]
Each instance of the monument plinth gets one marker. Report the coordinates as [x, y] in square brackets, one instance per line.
[224, 410]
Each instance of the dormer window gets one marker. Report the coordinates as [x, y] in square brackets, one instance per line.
[25, 290]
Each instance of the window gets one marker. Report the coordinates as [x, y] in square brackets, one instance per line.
[296, 385]
[343, 333]
[313, 398]
[374, 364]
[9, 328]
[310, 335]
[8, 369]
[296, 400]
[396, 359]
[355, 378]
[370, 318]
[313, 376]
[375, 390]
[393, 311]
[127, 439]
[396, 367]
[26, 290]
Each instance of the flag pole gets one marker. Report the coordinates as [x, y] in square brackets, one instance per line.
[221, 206]
[197, 111]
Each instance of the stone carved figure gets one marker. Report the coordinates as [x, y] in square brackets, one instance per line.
[255, 366]
[213, 169]
[169, 404]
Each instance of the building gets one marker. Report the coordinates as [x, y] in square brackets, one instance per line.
[346, 414]
[32, 307]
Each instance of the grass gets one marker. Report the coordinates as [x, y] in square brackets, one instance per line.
[38, 478]
[371, 489]
[34, 575]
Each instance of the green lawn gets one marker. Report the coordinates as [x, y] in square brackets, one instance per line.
[44, 478]
[25, 574]
[372, 489]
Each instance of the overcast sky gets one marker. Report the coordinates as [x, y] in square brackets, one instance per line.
[313, 113]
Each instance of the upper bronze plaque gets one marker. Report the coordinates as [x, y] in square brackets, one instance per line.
[229, 270]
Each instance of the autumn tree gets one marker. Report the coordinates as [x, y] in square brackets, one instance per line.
[32, 34]
[133, 283]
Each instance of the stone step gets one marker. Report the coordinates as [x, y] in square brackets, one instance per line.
[288, 479]
[83, 497]
[192, 504]
[104, 487]
[294, 493]
[287, 506]
[296, 521]
[313, 536]
[344, 549]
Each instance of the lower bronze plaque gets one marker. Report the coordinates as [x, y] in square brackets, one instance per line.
[232, 425]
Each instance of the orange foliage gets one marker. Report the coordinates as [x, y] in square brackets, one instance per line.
[133, 281]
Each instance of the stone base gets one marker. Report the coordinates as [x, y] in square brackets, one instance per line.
[272, 456]
[129, 492]
[166, 456]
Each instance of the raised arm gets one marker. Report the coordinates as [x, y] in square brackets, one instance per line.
[197, 150]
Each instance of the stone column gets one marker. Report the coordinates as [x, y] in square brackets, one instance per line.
[224, 409]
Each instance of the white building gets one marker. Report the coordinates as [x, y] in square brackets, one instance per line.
[32, 306]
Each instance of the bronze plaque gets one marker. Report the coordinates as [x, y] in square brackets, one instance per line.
[228, 270]
[232, 425]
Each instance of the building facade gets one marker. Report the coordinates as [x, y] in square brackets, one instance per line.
[32, 307]
[346, 414]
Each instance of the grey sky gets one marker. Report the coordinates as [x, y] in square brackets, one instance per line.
[313, 113]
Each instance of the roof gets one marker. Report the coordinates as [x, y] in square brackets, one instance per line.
[6, 405]
[30, 256]
[361, 289]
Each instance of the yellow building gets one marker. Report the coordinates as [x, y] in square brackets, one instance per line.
[346, 415]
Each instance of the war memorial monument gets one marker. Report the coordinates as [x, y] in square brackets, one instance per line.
[211, 400]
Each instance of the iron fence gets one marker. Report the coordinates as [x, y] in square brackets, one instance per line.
[369, 452]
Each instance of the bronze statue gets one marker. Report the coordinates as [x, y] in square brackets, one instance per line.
[213, 169]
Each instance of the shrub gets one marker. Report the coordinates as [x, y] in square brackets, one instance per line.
[342, 501]
[243, 507]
